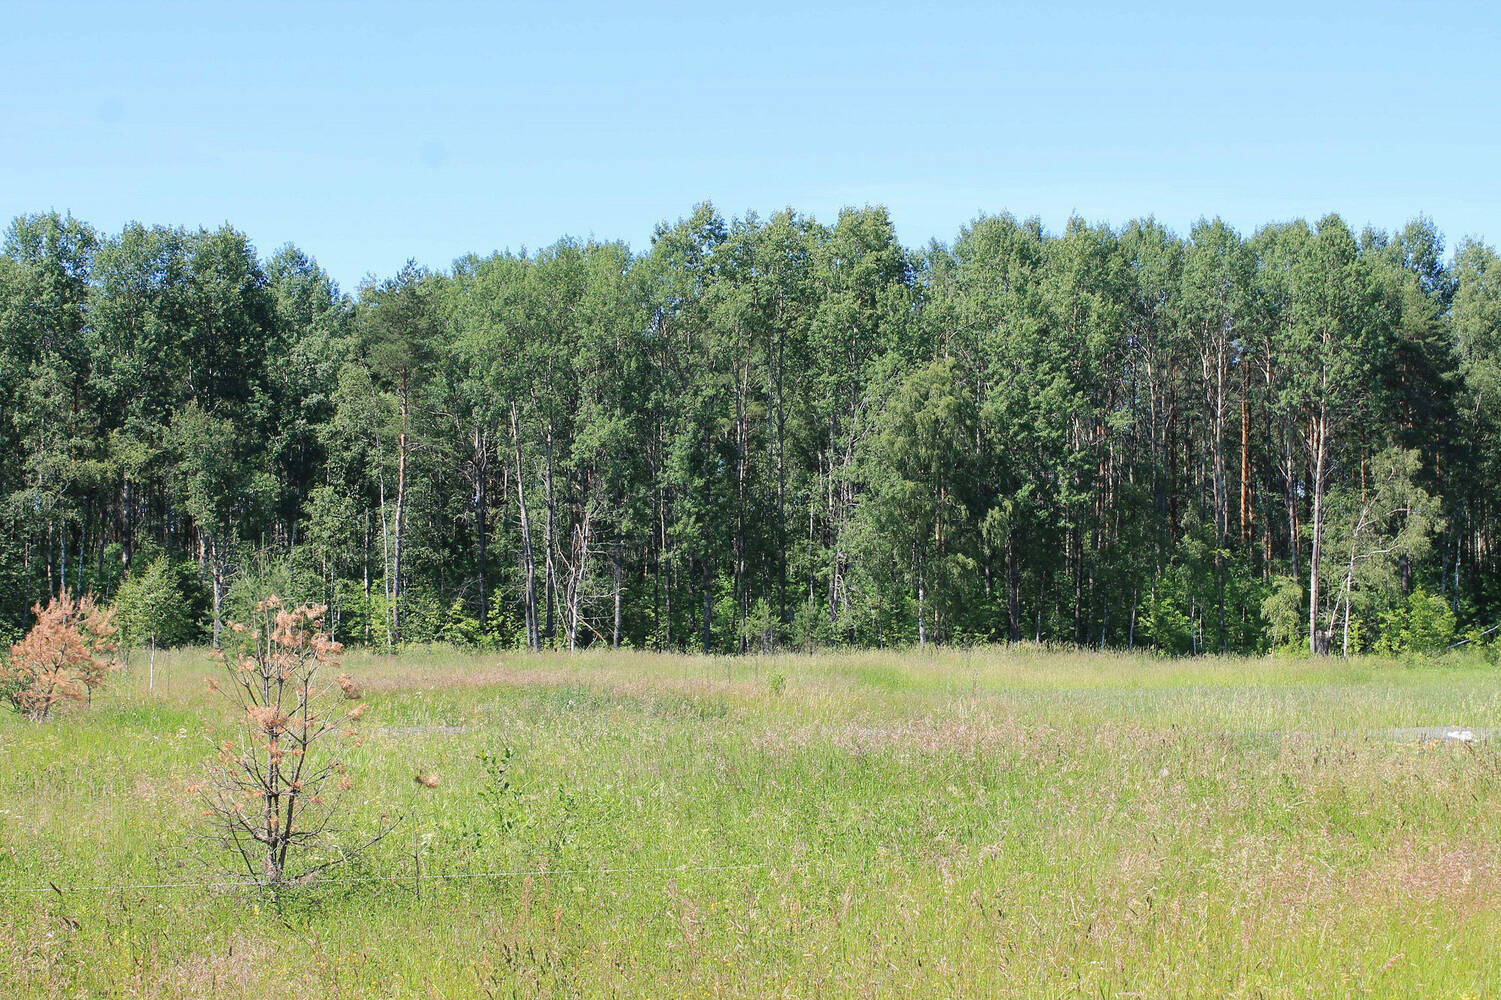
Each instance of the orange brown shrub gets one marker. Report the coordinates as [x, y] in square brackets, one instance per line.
[67, 654]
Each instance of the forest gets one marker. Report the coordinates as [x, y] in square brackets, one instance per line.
[766, 434]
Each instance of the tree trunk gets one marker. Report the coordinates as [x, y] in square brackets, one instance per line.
[1318, 430]
[548, 532]
[385, 558]
[400, 526]
[482, 522]
[922, 621]
[577, 566]
[528, 562]
[1245, 468]
[365, 569]
[742, 450]
[219, 577]
[1013, 592]
[708, 607]
[615, 569]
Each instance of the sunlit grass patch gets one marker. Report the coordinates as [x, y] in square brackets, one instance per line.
[980, 822]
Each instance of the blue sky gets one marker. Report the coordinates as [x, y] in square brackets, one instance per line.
[371, 132]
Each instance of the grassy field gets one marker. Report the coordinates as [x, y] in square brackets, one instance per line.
[990, 823]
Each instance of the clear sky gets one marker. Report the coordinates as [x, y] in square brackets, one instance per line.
[374, 131]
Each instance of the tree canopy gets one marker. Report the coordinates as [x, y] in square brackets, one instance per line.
[767, 432]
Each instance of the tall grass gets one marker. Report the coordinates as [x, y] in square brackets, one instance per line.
[988, 822]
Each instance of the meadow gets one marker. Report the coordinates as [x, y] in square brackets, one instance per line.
[990, 822]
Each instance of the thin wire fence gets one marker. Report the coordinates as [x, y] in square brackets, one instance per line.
[394, 879]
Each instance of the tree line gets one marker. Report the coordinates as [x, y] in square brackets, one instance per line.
[767, 433]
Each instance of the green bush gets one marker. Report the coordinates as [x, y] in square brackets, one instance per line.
[422, 618]
[1160, 622]
[153, 605]
[460, 628]
[1286, 612]
[1423, 624]
[289, 577]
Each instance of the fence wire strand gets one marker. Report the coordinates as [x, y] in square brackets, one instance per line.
[395, 879]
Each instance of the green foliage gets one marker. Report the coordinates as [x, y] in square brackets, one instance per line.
[1423, 623]
[759, 631]
[152, 606]
[757, 433]
[460, 628]
[1162, 623]
[810, 628]
[501, 812]
[288, 577]
[424, 620]
[1283, 609]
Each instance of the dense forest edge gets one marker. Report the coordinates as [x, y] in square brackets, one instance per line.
[766, 434]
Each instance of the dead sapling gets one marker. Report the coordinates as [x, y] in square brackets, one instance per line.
[68, 652]
[272, 793]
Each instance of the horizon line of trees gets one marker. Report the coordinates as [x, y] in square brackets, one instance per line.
[764, 433]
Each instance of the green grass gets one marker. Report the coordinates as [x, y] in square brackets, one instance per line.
[982, 823]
